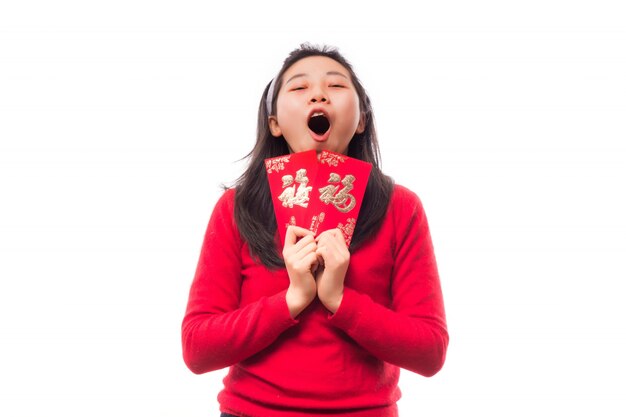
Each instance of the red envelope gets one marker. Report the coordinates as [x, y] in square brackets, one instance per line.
[338, 193]
[291, 179]
[317, 193]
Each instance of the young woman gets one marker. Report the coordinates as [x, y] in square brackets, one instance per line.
[315, 328]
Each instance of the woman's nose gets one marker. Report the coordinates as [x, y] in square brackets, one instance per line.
[318, 96]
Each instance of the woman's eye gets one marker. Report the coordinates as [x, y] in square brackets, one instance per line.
[298, 88]
[337, 85]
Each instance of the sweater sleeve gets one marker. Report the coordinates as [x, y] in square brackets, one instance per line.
[412, 333]
[216, 331]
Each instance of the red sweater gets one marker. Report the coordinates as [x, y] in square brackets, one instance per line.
[319, 364]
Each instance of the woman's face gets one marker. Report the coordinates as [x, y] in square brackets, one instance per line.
[317, 107]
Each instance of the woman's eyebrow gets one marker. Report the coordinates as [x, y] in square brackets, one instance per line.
[295, 76]
[336, 73]
[304, 75]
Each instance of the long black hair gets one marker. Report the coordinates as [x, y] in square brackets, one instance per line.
[254, 212]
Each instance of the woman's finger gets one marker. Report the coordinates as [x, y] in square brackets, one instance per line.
[303, 251]
[333, 235]
[294, 233]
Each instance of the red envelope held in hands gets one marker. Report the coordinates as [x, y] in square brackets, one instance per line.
[341, 183]
[317, 194]
[290, 178]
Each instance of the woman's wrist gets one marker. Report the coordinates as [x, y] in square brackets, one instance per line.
[332, 303]
[297, 301]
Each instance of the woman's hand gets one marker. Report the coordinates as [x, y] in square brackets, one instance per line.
[301, 262]
[334, 257]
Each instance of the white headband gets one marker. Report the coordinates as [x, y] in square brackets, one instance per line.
[270, 95]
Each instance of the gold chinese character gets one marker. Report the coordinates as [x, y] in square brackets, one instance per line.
[292, 196]
[347, 229]
[341, 199]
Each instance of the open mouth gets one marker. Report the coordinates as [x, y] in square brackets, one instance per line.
[319, 123]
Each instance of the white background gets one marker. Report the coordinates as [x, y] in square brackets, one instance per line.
[119, 120]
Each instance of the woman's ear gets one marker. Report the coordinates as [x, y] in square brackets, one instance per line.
[272, 121]
[360, 128]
